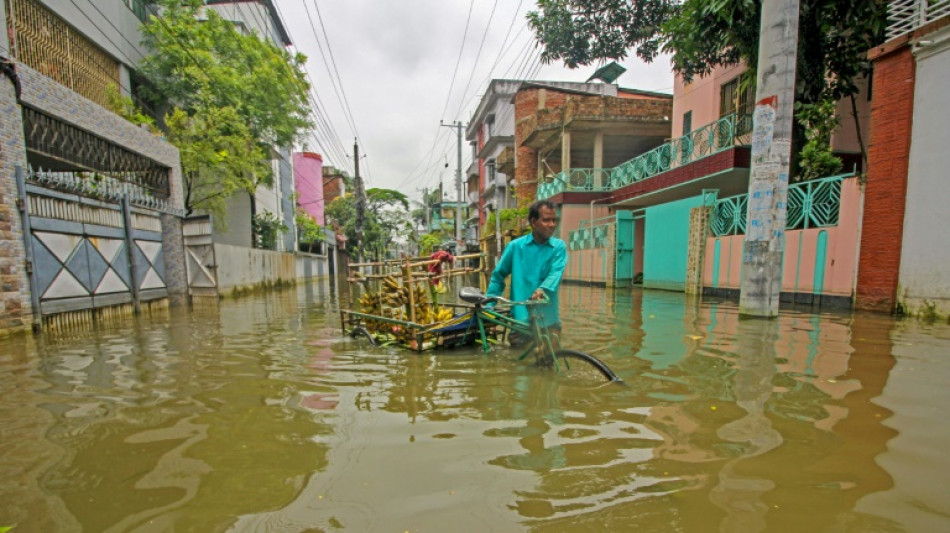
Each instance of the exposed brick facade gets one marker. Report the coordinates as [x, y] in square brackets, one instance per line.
[15, 307]
[884, 197]
[48, 96]
[527, 104]
[542, 115]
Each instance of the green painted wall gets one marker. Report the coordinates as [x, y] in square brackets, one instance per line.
[666, 241]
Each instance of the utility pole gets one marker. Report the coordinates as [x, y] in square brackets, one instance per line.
[425, 203]
[764, 243]
[360, 202]
[458, 182]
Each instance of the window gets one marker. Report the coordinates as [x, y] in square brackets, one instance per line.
[687, 122]
[736, 96]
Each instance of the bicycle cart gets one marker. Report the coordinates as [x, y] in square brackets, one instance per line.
[399, 304]
[473, 322]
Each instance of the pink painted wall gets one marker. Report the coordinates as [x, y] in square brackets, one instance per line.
[584, 265]
[800, 252]
[308, 182]
[701, 97]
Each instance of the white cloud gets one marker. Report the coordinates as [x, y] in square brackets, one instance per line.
[396, 60]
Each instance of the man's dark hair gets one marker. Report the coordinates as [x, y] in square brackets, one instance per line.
[534, 210]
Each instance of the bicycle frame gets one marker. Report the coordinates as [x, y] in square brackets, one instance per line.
[540, 340]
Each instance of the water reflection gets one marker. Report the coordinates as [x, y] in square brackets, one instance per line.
[259, 415]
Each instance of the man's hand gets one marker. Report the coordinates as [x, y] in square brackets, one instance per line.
[539, 294]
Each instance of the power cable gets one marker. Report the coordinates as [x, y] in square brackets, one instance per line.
[316, 113]
[478, 55]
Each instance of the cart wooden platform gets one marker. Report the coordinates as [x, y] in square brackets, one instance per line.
[399, 307]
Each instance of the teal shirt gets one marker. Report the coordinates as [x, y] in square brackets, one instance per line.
[531, 265]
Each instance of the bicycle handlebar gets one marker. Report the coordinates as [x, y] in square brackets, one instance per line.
[528, 302]
[475, 296]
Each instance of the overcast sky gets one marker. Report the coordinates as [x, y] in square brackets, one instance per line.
[391, 77]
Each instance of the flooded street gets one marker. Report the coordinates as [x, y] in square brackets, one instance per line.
[258, 415]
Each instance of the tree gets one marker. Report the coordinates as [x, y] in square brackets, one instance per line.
[386, 218]
[835, 36]
[232, 97]
[218, 156]
[308, 231]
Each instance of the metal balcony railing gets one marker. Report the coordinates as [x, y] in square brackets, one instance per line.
[576, 179]
[727, 132]
[811, 204]
[905, 16]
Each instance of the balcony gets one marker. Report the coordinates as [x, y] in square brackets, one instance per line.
[727, 132]
[505, 162]
[645, 117]
[905, 16]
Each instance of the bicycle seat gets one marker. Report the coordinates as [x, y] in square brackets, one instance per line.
[474, 296]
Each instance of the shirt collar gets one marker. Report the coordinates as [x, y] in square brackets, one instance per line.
[536, 243]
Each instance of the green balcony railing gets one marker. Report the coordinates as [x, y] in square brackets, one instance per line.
[811, 204]
[703, 142]
[725, 133]
[576, 180]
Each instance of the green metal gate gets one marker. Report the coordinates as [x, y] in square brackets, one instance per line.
[623, 270]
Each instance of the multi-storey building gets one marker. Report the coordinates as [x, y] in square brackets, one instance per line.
[672, 215]
[88, 201]
[491, 134]
[260, 18]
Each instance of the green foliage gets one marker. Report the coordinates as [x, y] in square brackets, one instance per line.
[579, 32]
[265, 227]
[513, 219]
[308, 231]
[429, 242]
[218, 157]
[386, 216]
[819, 122]
[127, 109]
[202, 61]
[232, 97]
[703, 34]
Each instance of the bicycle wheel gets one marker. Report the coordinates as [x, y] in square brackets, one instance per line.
[360, 331]
[584, 362]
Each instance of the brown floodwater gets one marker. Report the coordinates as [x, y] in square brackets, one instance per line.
[257, 414]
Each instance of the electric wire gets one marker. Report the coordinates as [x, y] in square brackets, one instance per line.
[341, 92]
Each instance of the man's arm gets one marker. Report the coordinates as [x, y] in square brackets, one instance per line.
[558, 262]
[496, 287]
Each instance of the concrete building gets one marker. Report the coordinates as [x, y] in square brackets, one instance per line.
[905, 248]
[308, 180]
[672, 214]
[260, 18]
[491, 134]
[99, 230]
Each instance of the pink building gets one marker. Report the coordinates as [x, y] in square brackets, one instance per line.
[308, 182]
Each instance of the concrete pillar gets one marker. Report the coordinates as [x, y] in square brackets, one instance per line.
[696, 251]
[566, 152]
[764, 245]
[599, 176]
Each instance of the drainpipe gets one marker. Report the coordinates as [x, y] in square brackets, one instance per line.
[23, 205]
[591, 223]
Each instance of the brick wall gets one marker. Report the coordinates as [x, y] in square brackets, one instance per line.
[526, 165]
[15, 307]
[884, 197]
